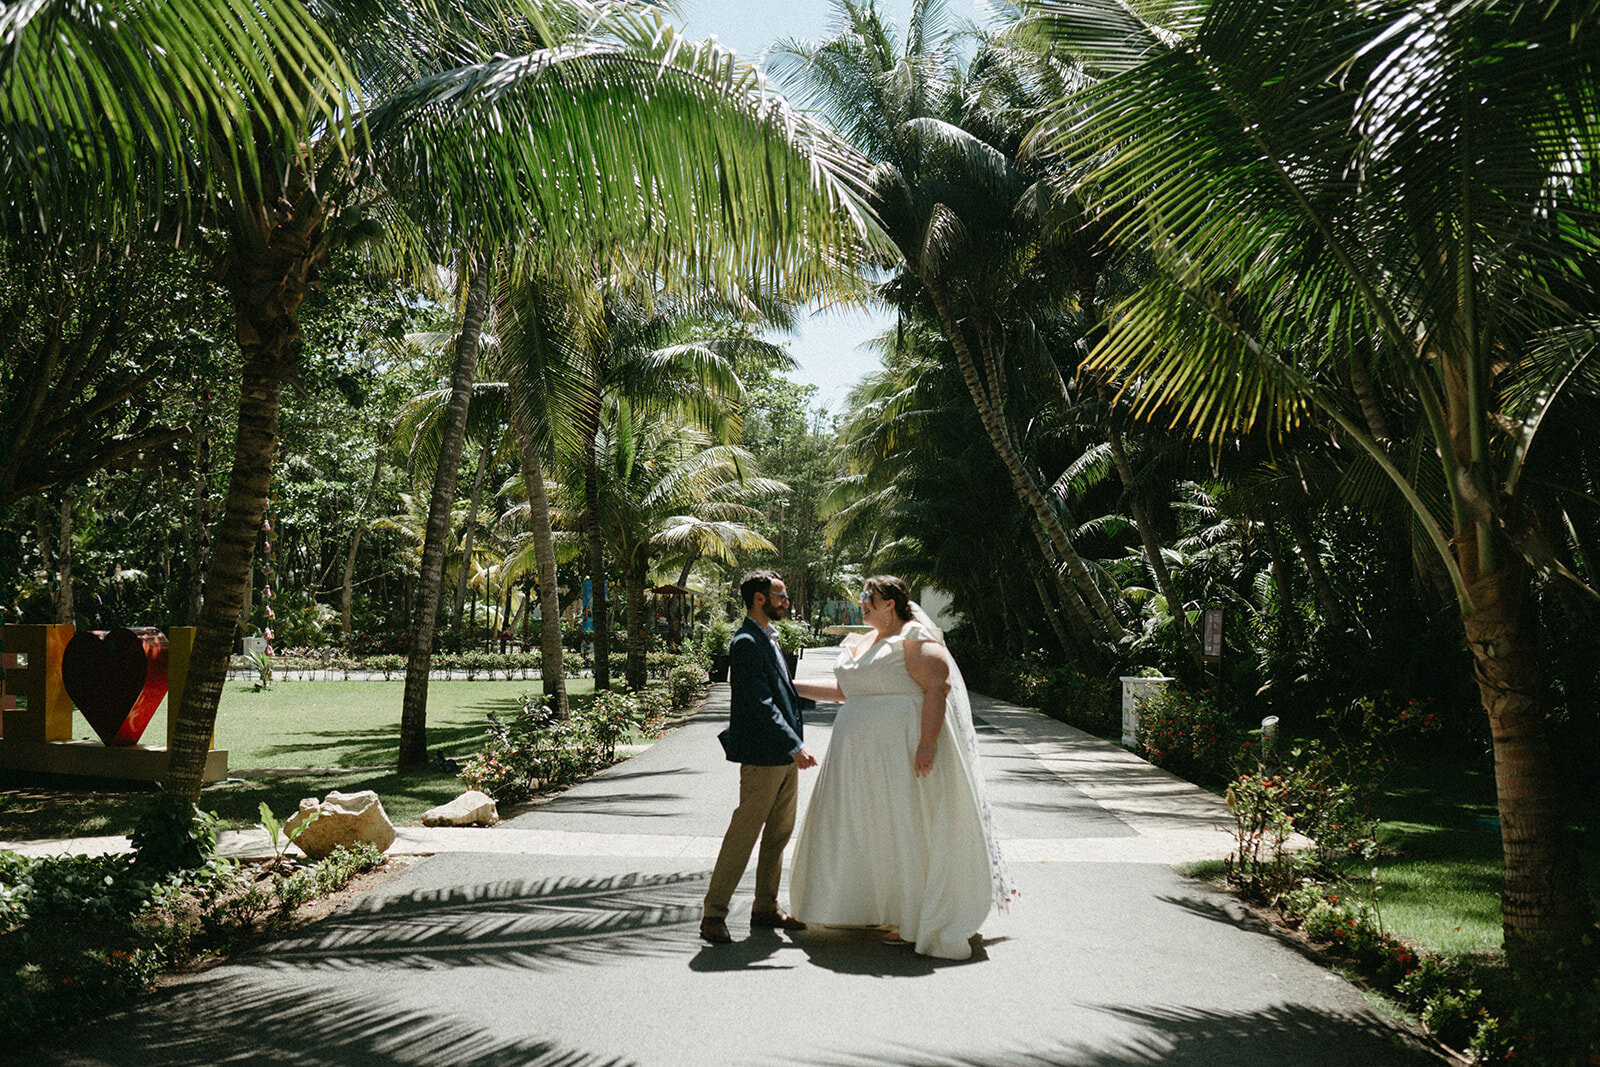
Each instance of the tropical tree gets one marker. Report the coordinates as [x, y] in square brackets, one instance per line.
[664, 488]
[969, 221]
[1333, 222]
[568, 120]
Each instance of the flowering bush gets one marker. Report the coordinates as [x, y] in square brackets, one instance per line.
[533, 749]
[687, 681]
[1188, 734]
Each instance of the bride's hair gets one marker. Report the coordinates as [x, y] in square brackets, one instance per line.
[888, 587]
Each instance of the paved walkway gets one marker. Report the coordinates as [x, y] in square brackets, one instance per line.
[568, 936]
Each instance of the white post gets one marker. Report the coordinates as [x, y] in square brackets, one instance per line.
[1135, 689]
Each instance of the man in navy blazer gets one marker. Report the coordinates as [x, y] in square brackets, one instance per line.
[765, 737]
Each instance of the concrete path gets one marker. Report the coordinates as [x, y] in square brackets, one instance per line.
[567, 936]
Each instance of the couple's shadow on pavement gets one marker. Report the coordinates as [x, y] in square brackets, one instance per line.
[837, 949]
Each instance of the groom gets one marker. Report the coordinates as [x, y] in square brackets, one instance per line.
[764, 738]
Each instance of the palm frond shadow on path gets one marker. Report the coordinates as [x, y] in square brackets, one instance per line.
[539, 925]
[1192, 1037]
[207, 1022]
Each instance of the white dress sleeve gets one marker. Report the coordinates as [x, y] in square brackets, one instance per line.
[916, 631]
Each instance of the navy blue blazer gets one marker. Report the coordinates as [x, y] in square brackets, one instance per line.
[764, 727]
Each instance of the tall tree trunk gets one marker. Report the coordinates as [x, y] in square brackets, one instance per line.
[1544, 903]
[1027, 488]
[1152, 550]
[1069, 647]
[60, 561]
[472, 526]
[1081, 625]
[347, 586]
[551, 670]
[1321, 587]
[637, 677]
[594, 538]
[1283, 577]
[267, 280]
[414, 706]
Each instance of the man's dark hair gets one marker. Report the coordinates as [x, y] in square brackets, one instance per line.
[757, 582]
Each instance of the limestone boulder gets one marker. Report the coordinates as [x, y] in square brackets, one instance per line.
[472, 808]
[340, 819]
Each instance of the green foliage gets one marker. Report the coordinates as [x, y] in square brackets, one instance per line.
[715, 638]
[532, 749]
[791, 636]
[1188, 733]
[686, 682]
[1061, 690]
[174, 836]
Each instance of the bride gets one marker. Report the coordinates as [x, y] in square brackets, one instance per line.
[898, 832]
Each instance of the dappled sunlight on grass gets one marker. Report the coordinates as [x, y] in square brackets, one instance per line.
[295, 740]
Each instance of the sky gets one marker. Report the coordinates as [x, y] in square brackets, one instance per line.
[827, 345]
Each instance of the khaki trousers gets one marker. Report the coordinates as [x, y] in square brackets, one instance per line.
[766, 810]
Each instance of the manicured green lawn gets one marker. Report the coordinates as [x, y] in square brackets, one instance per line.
[1440, 877]
[297, 739]
[355, 724]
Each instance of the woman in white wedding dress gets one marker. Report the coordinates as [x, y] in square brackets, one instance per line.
[898, 832]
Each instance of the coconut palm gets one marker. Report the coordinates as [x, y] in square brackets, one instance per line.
[566, 121]
[664, 487]
[969, 219]
[1333, 223]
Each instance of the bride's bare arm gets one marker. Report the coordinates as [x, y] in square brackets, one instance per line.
[926, 663]
[828, 691]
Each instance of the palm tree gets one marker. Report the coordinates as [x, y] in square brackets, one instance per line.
[968, 221]
[593, 343]
[569, 121]
[1374, 242]
[664, 486]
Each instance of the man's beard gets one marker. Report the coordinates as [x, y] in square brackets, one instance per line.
[777, 609]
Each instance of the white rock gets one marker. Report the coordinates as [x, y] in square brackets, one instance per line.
[472, 808]
[340, 819]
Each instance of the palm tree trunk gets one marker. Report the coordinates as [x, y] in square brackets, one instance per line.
[636, 655]
[414, 705]
[1026, 487]
[1082, 626]
[472, 524]
[1544, 903]
[1332, 609]
[595, 540]
[347, 586]
[1282, 576]
[269, 336]
[544, 553]
[1152, 551]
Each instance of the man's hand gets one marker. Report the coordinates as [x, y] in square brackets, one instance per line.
[804, 759]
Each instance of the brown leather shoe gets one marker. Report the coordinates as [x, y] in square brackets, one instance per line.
[776, 920]
[715, 931]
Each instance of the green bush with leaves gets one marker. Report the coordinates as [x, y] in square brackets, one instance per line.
[686, 682]
[173, 836]
[1189, 733]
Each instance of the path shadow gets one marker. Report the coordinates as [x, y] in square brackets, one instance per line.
[227, 1019]
[1282, 1035]
[540, 925]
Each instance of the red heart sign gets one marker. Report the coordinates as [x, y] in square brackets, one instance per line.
[117, 678]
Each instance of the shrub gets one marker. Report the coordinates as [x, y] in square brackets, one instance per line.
[1091, 703]
[686, 681]
[1188, 734]
[173, 836]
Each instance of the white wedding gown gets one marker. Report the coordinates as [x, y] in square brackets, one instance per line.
[880, 845]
